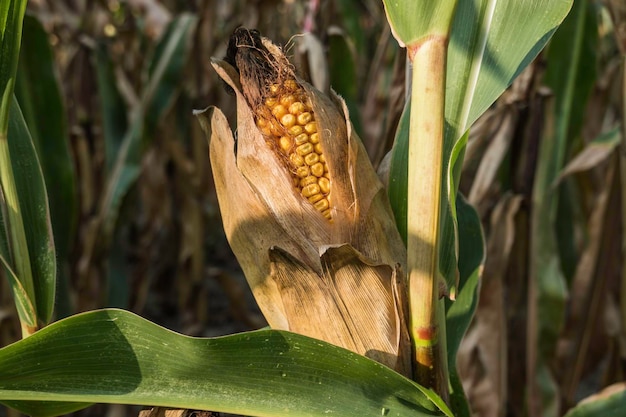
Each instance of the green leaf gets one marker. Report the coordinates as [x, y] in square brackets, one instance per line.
[343, 73]
[23, 304]
[114, 356]
[412, 20]
[40, 99]
[164, 83]
[166, 69]
[15, 246]
[114, 111]
[399, 172]
[11, 18]
[492, 42]
[611, 402]
[33, 201]
[459, 313]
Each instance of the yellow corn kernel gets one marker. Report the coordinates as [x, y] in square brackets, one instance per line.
[304, 182]
[279, 111]
[274, 88]
[304, 118]
[297, 108]
[318, 148]
[291, 85]
[322, 205]
[310, 190]
[271, 102]
[324, 184]
[326, 213]
[295, 130]
[288, 120]
[301, 139]
[311, 159]
[315, 198]
[310, 128]
[317, 169]
[286, 144]
[303, 171]
[296, 159]
[287, 100]
[304, 149]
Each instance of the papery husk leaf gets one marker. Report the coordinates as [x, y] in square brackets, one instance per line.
[353, 303]
[342, 280]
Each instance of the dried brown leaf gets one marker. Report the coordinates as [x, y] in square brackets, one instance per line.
[486, 342]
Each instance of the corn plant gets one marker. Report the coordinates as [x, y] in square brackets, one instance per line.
[360, 323]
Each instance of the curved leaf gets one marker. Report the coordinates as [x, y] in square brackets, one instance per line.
[116, 356]
[611, 402]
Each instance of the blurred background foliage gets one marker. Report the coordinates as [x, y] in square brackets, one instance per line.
[108, 87]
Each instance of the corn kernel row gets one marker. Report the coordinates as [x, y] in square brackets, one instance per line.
[288, 124]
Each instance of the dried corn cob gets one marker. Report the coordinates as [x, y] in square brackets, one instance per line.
[284, 116]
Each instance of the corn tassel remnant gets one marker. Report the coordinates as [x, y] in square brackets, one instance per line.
[284, 115]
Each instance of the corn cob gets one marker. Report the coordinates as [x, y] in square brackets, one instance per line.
[288, 125]
[284, 116]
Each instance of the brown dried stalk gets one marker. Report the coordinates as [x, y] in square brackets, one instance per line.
[341, 281]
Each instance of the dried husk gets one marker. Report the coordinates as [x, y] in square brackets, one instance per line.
[339, 281]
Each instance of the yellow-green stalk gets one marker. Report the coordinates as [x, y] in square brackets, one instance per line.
[425, 187]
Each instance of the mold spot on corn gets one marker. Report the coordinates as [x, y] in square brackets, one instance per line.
[284, 115]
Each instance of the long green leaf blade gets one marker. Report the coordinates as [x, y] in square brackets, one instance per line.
[164, 84]
[459, 313]
[11, 19]
[33, 202]
[116, 356]
[38, 92]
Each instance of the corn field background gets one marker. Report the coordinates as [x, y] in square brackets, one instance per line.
[111, 86]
